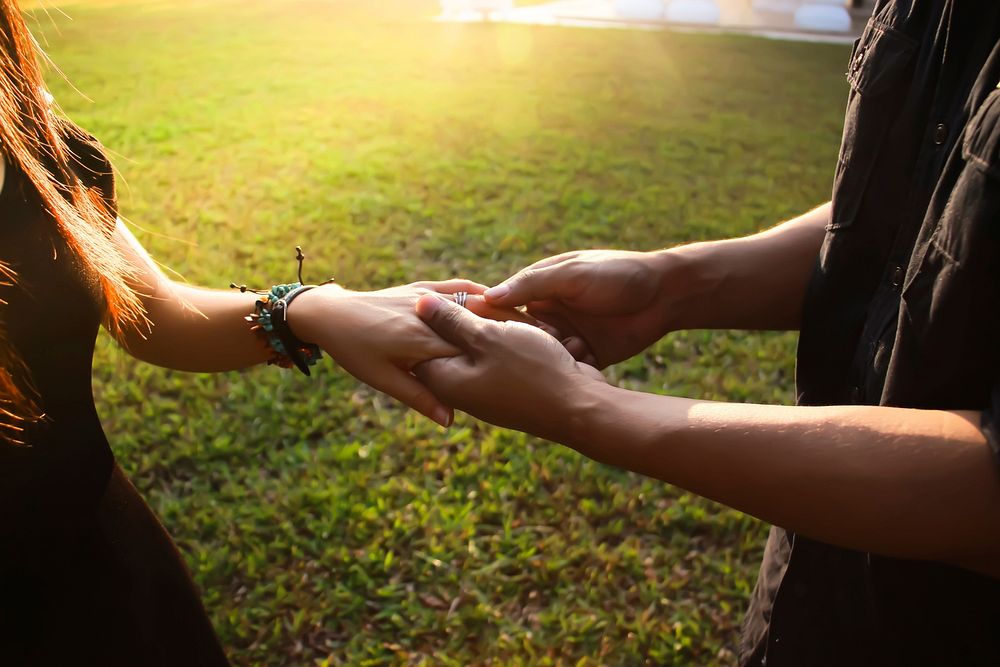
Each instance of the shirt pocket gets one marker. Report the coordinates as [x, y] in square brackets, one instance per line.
[879, 66]
[953, 282]
[968, 231]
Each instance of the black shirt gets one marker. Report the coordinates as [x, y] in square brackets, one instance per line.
[903, 310]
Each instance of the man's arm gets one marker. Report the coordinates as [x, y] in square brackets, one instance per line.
[895, 481]
[910, 483]
[755, 282]
[607, 305]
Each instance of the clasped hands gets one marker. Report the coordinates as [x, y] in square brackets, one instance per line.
[527, 369]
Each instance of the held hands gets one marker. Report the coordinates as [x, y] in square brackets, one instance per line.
[604, 305]
[508, 373]
[378, 338]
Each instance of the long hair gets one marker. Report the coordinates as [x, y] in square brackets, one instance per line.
[31, 142]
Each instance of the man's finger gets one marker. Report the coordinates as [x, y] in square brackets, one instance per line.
[535, 284]
[576, 347]
[554, 323]
[554, 259]
[480, 307]
[591, 370]
[450, 321]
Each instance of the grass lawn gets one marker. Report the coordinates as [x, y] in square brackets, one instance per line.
[324, 524]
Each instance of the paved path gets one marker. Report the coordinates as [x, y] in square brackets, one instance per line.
[769, 18]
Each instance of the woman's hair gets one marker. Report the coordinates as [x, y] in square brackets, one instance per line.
[32, 142]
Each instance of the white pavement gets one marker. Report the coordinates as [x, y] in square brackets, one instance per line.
[806, 20]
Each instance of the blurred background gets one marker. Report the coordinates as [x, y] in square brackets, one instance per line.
[815, 20]
[326, 525]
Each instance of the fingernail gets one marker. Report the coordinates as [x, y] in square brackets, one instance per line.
[442, 416]
[498, 292]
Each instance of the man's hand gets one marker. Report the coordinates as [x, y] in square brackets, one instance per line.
[377, 337]
[604, 305]
[508, 373]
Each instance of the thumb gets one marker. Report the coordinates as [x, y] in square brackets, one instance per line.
[534, 284]
[448, 320]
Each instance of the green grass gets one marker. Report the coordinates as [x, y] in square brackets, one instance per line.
[324, 524]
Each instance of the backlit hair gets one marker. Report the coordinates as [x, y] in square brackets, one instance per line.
[31, 142]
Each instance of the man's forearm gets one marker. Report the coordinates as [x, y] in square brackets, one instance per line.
[756, 282]
[900, 482]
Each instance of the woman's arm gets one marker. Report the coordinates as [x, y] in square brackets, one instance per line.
[190, 328]
[376, 336]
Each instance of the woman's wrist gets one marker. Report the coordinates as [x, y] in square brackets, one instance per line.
[310, 314]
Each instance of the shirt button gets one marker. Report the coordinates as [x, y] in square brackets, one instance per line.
[855, 394]
[940, 134]
[897, 277]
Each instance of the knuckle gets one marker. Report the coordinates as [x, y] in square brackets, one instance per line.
[528, 275]
[454, 314]
[477, 336]
[576, 268]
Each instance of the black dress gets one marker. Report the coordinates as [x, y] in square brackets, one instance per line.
[88, 576]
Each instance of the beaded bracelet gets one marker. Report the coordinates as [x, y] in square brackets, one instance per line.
[270, 320]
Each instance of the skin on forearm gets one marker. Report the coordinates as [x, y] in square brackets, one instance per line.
[900, 482]
[755, 282]
[198, 330]
[191, 328]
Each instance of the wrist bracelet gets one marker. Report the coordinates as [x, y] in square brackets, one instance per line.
[271, 317]
[270, 320]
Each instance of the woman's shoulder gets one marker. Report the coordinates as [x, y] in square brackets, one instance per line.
[89, 161]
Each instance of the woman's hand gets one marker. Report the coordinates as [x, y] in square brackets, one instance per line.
[508, 373]
[604, 305]
[378, 338]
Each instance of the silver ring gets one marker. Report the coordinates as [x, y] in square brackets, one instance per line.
[461, 298]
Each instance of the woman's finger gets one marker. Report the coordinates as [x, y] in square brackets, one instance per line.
[452, 286]
[426, 344]
[406, 388]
